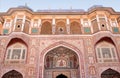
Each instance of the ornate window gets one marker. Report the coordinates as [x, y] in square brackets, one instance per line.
[106, 52]
[16, 53]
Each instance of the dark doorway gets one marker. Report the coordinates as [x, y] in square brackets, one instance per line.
[12, 74]
[110, 73]
[61, 76]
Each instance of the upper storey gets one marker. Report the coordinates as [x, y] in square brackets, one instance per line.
[44, 22]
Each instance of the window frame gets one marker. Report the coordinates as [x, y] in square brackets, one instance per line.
[101, 58]
[8, 56]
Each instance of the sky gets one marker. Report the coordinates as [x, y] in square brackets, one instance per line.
[58, 4]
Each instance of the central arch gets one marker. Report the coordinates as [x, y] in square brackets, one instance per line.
[67, 45]
[61, 59]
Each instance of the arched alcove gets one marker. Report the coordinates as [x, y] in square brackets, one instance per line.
[61, 60]
[60, 28]
[110, 73]
[75, 28]
[46, 28]
[106, 50]
[12, 74]
[16, 51]
[61, 57]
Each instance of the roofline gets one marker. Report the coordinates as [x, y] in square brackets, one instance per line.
[60, 12]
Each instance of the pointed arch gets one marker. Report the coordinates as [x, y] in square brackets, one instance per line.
[14, 40]
[110, 73]
[61, 28]
[61, 57]
[106, 50]
[107, 39]
[46, 28]
[16, 51]
[62, 43]
[12, 74]
[75, 28]
[67, 45]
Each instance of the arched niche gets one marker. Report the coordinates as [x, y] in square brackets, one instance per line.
[75, 28]
[61, 60]
[60, 28]
[16, 51]
[61, 57]
[106, 50]
[46, 28]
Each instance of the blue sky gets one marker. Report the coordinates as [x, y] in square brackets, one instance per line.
[58, 4]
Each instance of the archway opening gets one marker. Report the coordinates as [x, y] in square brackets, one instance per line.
[61, 76]
[61, 60]
[12, 74]
[110, 73]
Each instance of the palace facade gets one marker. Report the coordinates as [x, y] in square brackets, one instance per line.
[60, 43]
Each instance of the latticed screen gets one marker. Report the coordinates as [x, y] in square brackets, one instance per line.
[16, 54]
[106, 54]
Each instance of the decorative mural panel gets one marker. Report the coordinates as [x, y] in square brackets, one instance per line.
[61, 57]
[92, 70]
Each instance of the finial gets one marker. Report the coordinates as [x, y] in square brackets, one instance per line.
[70, 7]
[25, 4]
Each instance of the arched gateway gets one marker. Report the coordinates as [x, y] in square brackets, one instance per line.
[61, 61]
[12, 74]
[61, 76]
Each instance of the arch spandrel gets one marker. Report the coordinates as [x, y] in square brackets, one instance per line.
[65, 44]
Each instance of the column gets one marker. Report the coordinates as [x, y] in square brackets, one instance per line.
[31, 25]
[82, 25]
[11, 25]
[39, 25]
[90, 25]
[107, 22]
[68, 26]
[53, 26]
[23, 23]
[98, 22]
[15, 22]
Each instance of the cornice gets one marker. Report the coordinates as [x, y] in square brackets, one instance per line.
[61, 11]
